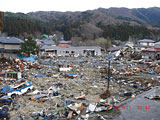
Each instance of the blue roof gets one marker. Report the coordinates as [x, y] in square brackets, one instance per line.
[48, 42]
[10, 40]
[67, 42]
[147, 40]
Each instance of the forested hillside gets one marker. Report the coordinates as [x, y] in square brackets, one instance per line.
[116, 23]
[1, 22]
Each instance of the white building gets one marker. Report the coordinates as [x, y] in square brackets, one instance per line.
[144, 44]
[72, 51]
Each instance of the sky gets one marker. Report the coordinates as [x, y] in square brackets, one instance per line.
[26, 6]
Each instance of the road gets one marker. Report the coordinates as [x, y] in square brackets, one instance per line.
[141, 108]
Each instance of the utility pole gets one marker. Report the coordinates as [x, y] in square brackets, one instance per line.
[109, 73]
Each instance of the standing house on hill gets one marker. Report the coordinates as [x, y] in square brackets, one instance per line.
[146, 42]
[9, 46]
[143, 44]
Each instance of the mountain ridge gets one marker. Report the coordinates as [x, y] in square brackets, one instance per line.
[88, 24]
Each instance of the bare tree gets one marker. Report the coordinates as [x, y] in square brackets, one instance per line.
[104, 43]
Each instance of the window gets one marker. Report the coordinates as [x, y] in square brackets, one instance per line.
[2, 55]
[67, 51]
[72, 52]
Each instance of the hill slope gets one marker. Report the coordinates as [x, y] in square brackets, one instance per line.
[1, 22]
[89, 24]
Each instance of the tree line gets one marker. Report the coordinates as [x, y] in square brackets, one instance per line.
[17, 24]
[1, 22]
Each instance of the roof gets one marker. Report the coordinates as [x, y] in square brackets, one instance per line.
[10, 40]
[78, 47]
[8, 51]
[48, 42]
[67, 42]
[112, 49]
[151, 50]
[157, 45]
[138, 45]
[147, 40]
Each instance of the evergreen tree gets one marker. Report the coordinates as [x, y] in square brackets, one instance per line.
[29, 47]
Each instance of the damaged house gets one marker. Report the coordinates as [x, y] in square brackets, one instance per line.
[9, 46]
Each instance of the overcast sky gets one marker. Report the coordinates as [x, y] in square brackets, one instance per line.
[71, 5]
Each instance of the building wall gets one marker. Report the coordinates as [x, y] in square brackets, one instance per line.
[11, 47]
[139, 49]
[7, 55]
[147, 44]
[1, 46]
[148, 55]
[157, 46]
[76, 51]
[65, 52]
[151, 44]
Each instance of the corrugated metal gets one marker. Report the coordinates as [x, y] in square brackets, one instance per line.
[10, 40]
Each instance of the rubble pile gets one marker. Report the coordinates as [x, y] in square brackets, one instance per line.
[72, 88]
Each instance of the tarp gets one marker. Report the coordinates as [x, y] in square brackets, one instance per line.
[44, 35]
[31, 58]
[129, 61]
[39, 75]
[108, 56]
[40, 96]
[6, 89]
[72, 74]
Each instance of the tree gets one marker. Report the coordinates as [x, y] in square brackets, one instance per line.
[29, 47]
[104, 43]
[1, 21]
[67, 33]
